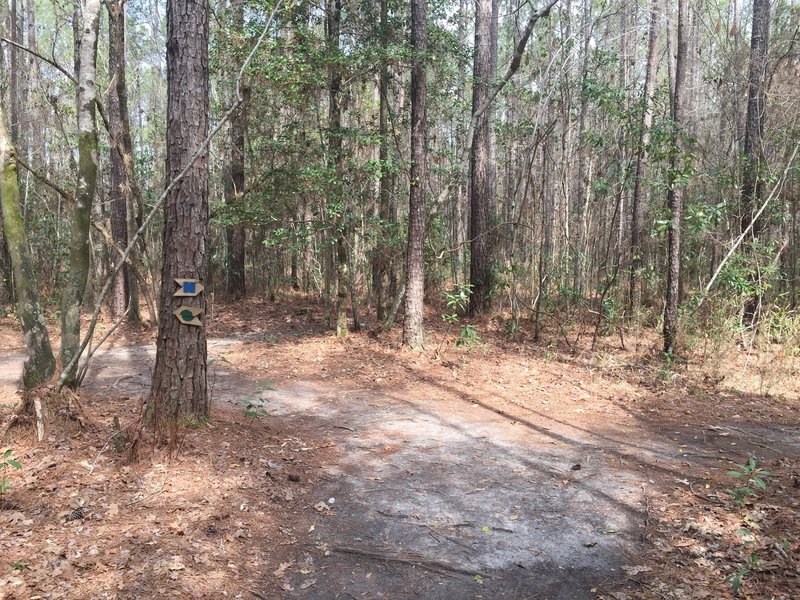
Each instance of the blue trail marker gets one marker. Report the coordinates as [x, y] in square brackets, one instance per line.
[188, 288]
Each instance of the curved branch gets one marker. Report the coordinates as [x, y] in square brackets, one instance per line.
[49, 61]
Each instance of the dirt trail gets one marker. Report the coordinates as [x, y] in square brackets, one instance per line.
[444, 500]
[434, 501]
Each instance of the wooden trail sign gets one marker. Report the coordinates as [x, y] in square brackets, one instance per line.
[188, 288]
[188, 315]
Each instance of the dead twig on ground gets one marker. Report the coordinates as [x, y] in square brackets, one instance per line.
[417, 561]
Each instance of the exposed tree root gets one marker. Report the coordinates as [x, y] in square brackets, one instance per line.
[43, 409]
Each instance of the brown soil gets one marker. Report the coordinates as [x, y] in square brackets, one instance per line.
[507, 470]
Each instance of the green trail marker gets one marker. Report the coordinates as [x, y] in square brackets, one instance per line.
[188, 315]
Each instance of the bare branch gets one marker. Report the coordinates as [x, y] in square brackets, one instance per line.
[49, 61]
[45, 180]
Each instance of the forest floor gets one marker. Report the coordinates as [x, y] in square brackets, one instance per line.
[508, 470]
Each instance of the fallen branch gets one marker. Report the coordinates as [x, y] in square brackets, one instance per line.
[417, 561]
[37, 405]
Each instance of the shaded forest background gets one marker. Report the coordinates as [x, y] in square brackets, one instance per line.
[615, 111]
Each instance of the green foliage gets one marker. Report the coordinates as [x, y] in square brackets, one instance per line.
[755, 481]
[457, 302]
[611, 310]
[736, 579]
[253, 404]
[468, 336]
[7, 461]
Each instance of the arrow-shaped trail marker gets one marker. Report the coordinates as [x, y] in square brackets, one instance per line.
[188, 288]
[188, 315]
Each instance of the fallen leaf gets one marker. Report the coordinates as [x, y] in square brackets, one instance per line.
[635, 570]
[281, 570]
[307, 584]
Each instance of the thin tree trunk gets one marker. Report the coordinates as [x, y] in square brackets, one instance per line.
[80, 249]
[753, 154]
[122, 142]
[40, 363]
[413, 325]
[180, 386]
[235, 182]
[13, 76]
[334, 23]
[635, 290]
[579, 228]
[118, 194]
[676, 190]
[381, 260]
[482, 168]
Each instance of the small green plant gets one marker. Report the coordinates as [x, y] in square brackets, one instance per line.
[253, 405]
[736, 579]
[5, 462]
[755, 480]
[740, 495]
[611, 310]
[468, 336]
[457, 302]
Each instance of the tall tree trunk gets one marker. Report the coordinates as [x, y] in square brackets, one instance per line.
[40, 363]
[335, 152]
[634, 287]
[676, 190]
[13, 76]
[124, 188]
[413, 331]
[753, 162]
[118, 194]
[482, 168]
[546, 248]
[80, 249]
[383, 248]
[582, 190]
[234, 188]
[180, 385]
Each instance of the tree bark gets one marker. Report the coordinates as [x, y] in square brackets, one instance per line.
[482, 168]
[40, 363]
[80, 249]
[334, 23]
[13, 76]
[180, 386]
[235, 182]
[753, 161]
[118, 194]
[381, 260]
[634, 284]
[676, 190]
[413, 331]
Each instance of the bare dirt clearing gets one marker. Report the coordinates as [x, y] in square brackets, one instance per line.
[505, 471]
